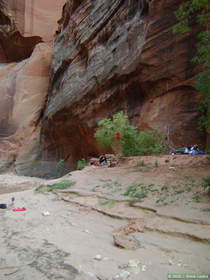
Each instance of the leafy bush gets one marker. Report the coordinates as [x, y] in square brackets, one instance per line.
[81, 164]
[206, 182]
[108, 128]
[131, 142]
[139, 190]
[150, 143]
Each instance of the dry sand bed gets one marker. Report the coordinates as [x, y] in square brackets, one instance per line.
[75, 241]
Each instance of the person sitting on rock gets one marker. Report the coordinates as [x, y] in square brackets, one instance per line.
[103, 159]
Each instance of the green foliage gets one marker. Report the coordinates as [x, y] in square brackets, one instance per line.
[57, 186]
[197, 197]
[162, 200]
[132, 142]
[111, 186]
[107, 203]
[179, 191]
[164, 188]
[190, 10]
[139, 190]
[108, 128]
[206, 182]
[203, 48]
[62, 185]
[141, 163]
[150, 143]
[59, 168]
[202, 84]
[198, 11]
[81, 164]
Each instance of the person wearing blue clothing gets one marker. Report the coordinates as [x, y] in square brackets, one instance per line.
[195, 151]
[189, 150]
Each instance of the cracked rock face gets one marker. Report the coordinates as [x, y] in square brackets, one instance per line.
[114, 55]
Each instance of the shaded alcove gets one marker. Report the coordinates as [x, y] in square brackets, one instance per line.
[135, 99]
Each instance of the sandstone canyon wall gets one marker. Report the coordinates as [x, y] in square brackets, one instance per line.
[24, 81]
[109, 55]
[114, 55]
[36, 17]
[23, 90]
[13, 45]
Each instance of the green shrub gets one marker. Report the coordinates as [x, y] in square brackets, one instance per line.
[81, 164]
[139, 190]
[131, 142]
[57, 186]
[119, 123]
[206, 182]
[207, 150]
[150, 142]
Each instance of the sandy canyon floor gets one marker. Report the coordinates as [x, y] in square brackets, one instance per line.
[142, 220]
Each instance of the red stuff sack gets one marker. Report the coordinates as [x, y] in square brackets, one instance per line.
[117, 136]
[19, 209]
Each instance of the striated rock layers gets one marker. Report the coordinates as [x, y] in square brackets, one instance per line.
[113, 55]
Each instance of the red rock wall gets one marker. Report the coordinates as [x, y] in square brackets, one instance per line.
[13, 46]
[24, 81]
[108, 56]
[119, 55]
[23, 24]
[41, 18]
[36, 17]
[23, 91]
[16, 9]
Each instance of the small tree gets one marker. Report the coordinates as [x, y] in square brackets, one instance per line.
[151, 142]
[118, 125]
[130, 142]
[81, 164]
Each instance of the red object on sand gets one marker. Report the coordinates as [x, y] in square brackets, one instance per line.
[97, 164]
[117, 136]
[19, 209]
